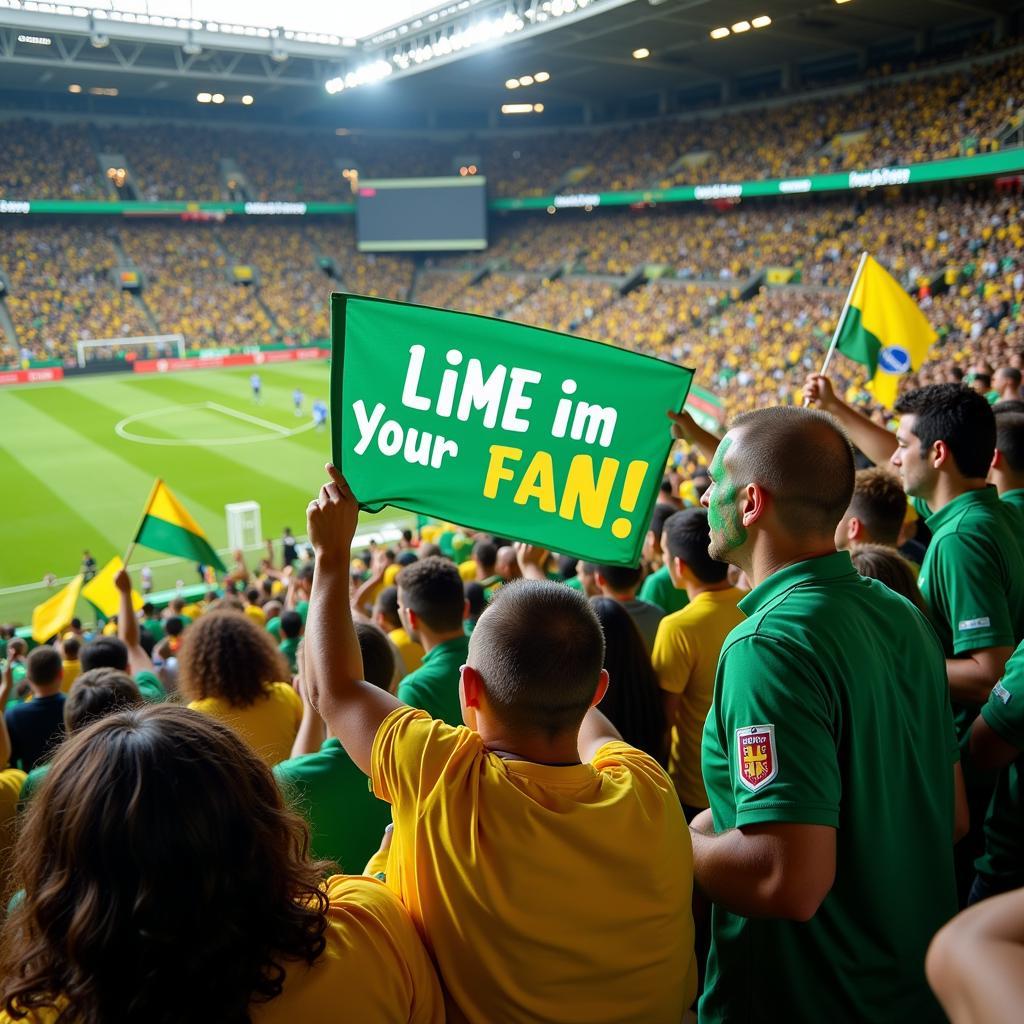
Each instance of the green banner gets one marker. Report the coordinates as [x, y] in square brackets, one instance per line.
[525, 433]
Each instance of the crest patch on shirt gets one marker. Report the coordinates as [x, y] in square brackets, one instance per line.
[757, 761]
[1002, 693]
[974, 624]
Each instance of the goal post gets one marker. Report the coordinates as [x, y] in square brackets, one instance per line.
[153, 346]
[245, 530]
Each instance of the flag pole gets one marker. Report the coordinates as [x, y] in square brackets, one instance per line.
[145, 512]
[843, 314]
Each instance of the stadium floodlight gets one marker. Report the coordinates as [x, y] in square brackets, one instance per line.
[526, 80]
[641, 53]
[517, 108]
[541, 76]
[366, 74]
[741, 26]
[538, 108]
[511, 83]
[74, 87]
[204, 97]
[217, 97]
[763, 21]
[36, 40]
[99, 41]
[719, 33]
[247, 100]
[190, 47]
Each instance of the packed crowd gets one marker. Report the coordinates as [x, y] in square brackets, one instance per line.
[883, 122]
[802, 706]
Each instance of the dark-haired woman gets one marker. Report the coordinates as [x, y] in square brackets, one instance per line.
[231, 669]
[165, 882]
[633, 702]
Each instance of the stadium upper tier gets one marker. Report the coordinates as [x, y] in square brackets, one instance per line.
[946, 114]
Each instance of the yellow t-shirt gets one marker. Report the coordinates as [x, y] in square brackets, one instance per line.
[373, 971]
[411, 652]
[531, 903]
[391, 574]
[467, 570]
[269, 725]
[256, 613]
[685, 657]
[193, 611]
[72, 670]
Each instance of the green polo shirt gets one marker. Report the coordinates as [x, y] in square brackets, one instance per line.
[434, 686]
[831, 708]
[150, 687]
[1015, 499]
[346, 820]
[658, 589]
[1003, 859]
[155, 628]
[972, 578]
[289, 647]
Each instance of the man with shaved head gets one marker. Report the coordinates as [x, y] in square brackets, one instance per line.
[829, 755]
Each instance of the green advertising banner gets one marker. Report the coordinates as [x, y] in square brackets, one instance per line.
[525, 433]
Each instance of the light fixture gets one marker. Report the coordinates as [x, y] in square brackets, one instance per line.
[74, 88]
[36, 40]
[541, 76]
[719, 33]
[190, 47]
[342, 131]
[762, 21]
[842, 1]
[97, 90]
[99, 41]
[526, 80]
[538, 108]
[641, 54]
[204, 97]
[741, 26]
[512, 83]
[217, 97]
[278, 54]
[517, 108]
[247, 101]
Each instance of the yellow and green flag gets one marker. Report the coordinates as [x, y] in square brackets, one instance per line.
[885, 330]
[167, 526]
[101, 593]
[55, 613]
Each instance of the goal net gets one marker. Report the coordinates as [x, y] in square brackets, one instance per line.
[155, 346]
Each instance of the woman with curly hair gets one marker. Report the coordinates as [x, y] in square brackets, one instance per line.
[231, 669]
[165, 882]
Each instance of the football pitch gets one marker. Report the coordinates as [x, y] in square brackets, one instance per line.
[78, 459]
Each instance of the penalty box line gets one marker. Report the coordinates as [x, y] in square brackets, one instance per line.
[266, 424]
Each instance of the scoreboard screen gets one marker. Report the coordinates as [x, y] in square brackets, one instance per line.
[421, 214]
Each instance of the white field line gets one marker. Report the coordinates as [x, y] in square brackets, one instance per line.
[249, 419]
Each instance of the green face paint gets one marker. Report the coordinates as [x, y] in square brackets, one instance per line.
[727, 530]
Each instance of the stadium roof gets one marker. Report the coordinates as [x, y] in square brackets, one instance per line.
[585, 46]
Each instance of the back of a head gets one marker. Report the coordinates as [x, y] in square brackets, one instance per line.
[485, 554]
[688, 535]
[620, 579]
[72, 648]
[884, 563]
[960, 417]
[378, 658]
[44, 666]
[227, 655]
[386, 605]
[291, 624]
[880, 503]
[252, 595]
[161, 872]
[174, 626]
[659, 517]
[1008, 375]
[98, 693]
[633, 702]
[1010, 437]
[802, 459]
[105, 652]
[476, 598]
[539, 650]
[432, 588]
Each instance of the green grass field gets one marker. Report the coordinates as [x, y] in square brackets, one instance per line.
[78, 458]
